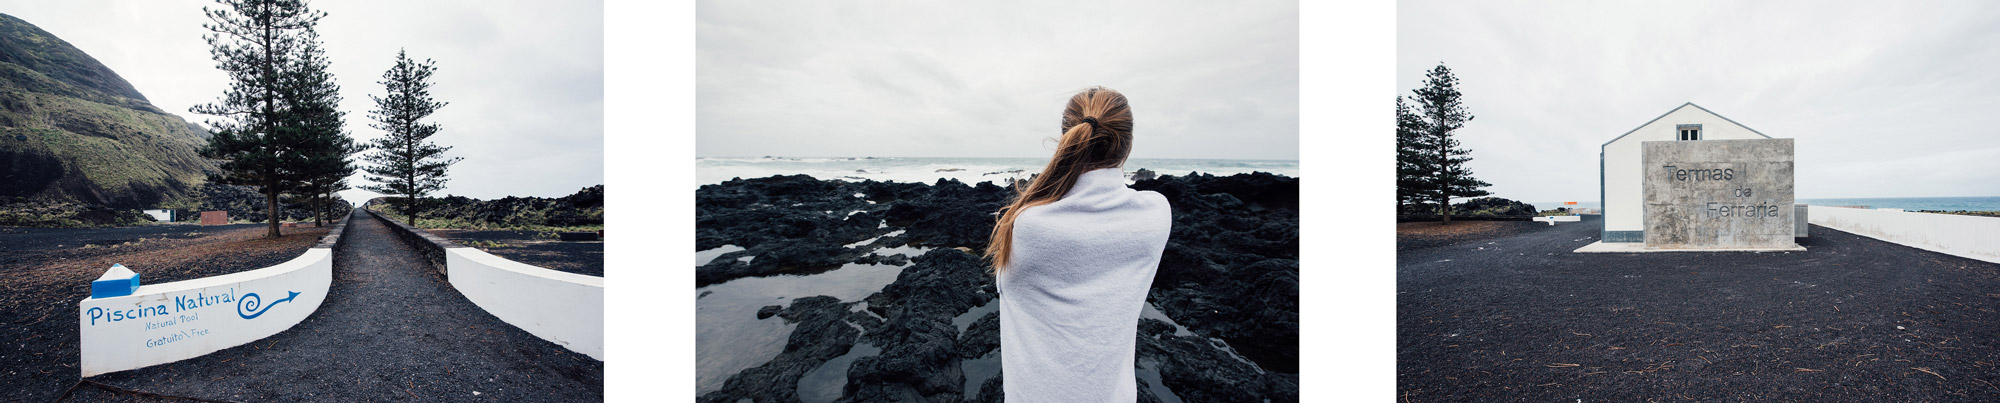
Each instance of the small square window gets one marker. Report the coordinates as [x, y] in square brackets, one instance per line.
[1689, 132]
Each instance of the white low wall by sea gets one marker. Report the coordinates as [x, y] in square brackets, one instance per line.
[1964, 236]
[561, 307]
[163, 323]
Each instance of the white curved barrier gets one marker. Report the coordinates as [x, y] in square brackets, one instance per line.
[1957, 235]
[169, 322]
[564, 308]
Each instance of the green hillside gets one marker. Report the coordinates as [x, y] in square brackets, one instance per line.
[71, 130]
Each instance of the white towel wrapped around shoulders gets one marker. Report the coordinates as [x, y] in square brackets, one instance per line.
[1070, 301]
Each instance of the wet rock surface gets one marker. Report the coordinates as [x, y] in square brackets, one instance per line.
[920, 353]
[1197, 371]
[1229, 275]
[823, 333]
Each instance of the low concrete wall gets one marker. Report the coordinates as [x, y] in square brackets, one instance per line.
[163, 323]
[564, 308]
[431, 247]
[1957, 235]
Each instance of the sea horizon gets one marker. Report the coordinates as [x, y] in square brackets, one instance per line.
[1930, 203]
[970, 170]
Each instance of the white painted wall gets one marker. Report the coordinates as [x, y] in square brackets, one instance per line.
[1623, 194]
[244, 307]
[1957, 235]
[563, 308]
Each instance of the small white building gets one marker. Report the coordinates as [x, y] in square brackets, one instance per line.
[1619, 173]
[161, 215]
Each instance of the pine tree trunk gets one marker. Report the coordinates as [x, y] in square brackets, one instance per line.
[319, 212]
[270, 124]
[271, 207]
[1444, 183]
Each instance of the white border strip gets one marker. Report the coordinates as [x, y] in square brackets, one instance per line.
[561, 307]
[169, 322]
[1957, 235]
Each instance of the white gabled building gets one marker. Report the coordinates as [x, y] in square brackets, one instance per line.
[1619, 159]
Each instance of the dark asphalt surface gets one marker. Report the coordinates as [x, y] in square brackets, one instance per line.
[390, 330]
[1521, 318]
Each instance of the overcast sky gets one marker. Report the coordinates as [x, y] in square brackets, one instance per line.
[523, 78]
[1884, 99]
[989, 79]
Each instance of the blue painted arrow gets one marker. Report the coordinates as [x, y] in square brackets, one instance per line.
[250, 303]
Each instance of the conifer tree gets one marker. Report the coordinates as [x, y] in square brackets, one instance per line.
[314, 101]
[1410, 158]
[1443, 165]
[406, 165]
[257, 42]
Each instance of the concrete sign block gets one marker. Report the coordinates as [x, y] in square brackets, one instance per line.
[1719, 194]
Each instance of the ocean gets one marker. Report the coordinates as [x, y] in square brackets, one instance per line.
[1982, 203]
[1985, 203]
[968, 170]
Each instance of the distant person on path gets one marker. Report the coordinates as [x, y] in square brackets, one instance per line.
[1074, 255]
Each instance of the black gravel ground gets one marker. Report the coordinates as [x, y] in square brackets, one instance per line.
[1521, 318]
[586, 258]
[44, 272]
[16, 240]
[1486, 230]
[389, 330]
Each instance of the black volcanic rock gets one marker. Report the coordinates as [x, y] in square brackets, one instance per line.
[980, 338]
[920, 354]
[1229, 273]
[583, 208]
[1231, 268]
[1492, 207]
[1197, 371]
[952, 215]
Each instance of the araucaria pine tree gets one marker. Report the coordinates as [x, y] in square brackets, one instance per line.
[1441, 164]
[315, 109]
[405, 164]
[259, 43]
[1411, 159]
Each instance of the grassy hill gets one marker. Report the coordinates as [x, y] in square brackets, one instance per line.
[72, 131]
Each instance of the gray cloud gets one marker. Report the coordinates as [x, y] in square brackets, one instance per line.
[524, 78]
[1885, 99]
[944, 79]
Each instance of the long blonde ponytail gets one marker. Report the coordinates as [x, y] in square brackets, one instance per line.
[1096, 134]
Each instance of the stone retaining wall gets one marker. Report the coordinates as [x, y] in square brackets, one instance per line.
[431, 247]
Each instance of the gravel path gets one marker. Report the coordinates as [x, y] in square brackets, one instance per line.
[1520, 318]
[389, 330]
